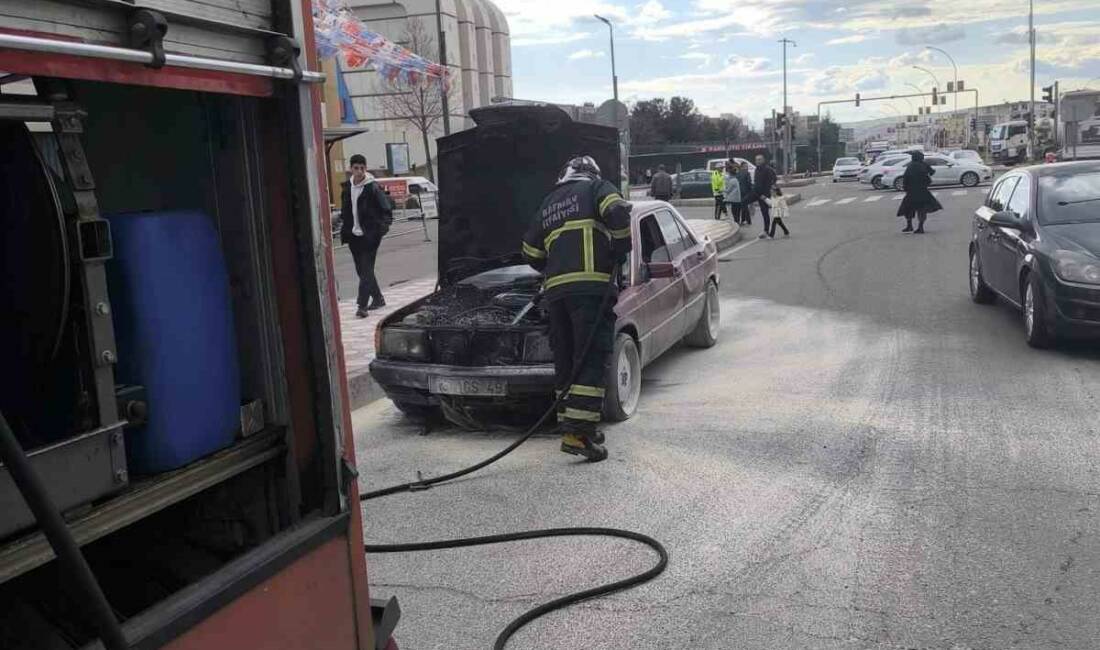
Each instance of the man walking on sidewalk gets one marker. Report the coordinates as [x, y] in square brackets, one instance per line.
[660, 187]
[718, 188]
[367, 214]
[762, 185]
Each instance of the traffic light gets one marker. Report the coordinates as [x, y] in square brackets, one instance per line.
[1048, 94]
[935, 96]
[959, 86]
[973, 124]
[857, 99]
[792, 130]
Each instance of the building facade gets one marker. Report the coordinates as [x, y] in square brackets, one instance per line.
[478, 54]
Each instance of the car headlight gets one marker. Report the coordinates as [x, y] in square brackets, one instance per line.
[402, 343]
[1077, 267]
[536, 348]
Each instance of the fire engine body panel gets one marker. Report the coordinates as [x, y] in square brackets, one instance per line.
[239, 531]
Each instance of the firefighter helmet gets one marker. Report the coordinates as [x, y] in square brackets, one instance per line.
[579, 168]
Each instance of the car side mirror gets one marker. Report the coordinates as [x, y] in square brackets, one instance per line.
[1007, 219]
[661, 269]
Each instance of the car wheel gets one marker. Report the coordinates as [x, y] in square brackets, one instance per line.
[970, 179]
[834, 180]
[1035, 317]
[899, 184]
[876, 182]
[979, 290]
[624, 381]
[705, 334]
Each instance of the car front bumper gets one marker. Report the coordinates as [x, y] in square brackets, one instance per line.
[408, 381]
[1075, 308]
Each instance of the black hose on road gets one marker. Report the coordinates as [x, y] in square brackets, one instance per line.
[558, 603]
[68, 553]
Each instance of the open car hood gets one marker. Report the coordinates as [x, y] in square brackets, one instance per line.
[493, 178]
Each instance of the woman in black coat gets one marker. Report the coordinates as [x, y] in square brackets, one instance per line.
[918, 200]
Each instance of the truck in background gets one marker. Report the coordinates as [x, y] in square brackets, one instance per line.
[1008, 141]
[1079, 124]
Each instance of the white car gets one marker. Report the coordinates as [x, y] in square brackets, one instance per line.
[947, 172]
[846, 169]
[966, 155]
[720, 163]
[874, 172]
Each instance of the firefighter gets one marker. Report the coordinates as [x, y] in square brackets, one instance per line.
[580, 234]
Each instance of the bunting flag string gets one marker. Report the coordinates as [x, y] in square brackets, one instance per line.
[340, 33]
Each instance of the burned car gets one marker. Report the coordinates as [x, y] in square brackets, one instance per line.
[481, 340]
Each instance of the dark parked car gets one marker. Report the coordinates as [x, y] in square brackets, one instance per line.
[694, 184]
[461, 348]
[1036, 244]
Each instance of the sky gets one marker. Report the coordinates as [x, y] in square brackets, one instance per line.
[725, 54]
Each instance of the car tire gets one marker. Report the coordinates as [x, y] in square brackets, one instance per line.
[705, 333]
[970, 179]
[876, 182]
[1036, 331]
[979, 290]
[624, 380]
[899, 184]
[413, 410]
[834, 180]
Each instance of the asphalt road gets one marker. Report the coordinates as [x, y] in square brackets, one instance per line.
[865, 460]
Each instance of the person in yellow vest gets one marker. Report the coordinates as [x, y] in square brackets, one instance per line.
[718, 188]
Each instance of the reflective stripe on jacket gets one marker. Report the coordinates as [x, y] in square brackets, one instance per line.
[580, 231]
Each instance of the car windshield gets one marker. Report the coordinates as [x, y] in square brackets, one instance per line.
[847, 161]
[997, 132]
[1069, 198]
[966, 155]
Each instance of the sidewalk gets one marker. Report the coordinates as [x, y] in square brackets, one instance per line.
[358, 333]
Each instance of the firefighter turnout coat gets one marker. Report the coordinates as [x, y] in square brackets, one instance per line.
[578, 235]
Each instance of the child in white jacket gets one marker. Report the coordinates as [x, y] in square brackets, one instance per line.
[780, 212]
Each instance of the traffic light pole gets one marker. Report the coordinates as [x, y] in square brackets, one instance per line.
[884, 98]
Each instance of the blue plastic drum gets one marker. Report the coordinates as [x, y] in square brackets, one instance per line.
[173, 321]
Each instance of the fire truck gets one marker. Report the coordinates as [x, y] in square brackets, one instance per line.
[173, 379]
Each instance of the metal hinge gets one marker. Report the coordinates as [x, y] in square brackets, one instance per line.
[147, 30]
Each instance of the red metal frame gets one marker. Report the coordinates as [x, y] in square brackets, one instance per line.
[68, 66]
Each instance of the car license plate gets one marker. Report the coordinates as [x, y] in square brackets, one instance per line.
[469, 386]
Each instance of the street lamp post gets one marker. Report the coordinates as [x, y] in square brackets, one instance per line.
[1031, 108]
[935, 79]
[954, 66]
[614, 76]
[787, 121]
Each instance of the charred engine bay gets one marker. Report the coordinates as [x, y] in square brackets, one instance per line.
[470, 323]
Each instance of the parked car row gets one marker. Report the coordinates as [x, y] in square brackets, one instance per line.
[961, 167]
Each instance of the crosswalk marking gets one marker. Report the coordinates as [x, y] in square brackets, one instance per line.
[817, 202]
[872, 199]
[959, 193]
[847, 200]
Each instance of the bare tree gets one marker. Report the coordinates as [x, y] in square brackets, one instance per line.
[419, 105]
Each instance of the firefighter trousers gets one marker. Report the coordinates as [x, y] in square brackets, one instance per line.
[572, 319]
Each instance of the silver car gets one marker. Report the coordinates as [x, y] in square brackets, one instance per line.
[874, 172]
[846, 169]
[947, 172]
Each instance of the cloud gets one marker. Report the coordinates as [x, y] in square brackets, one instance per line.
[703, 58]
[839, 80]
[846, 40]
[803, 59]
[941, 33]
[651, 12]
[586, 54]
[551, 39]
[736, 68]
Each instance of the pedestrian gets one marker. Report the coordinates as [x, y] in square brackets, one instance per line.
[367, 213]
[718, 188]
[580, 234]
[648, 176]
[918, 201]
[745, 179]
[660, 187]
[762, 186]
[731, 195]
[780, 212]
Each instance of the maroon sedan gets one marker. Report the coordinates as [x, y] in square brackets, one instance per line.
[476, 343]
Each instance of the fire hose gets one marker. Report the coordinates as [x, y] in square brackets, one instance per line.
[579, 531]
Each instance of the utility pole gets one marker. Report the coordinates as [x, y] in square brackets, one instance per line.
[786, 111]
[614, 76]
[1031, 111]
[444, 102]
